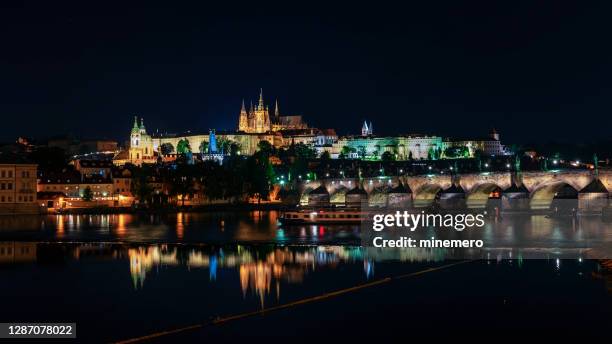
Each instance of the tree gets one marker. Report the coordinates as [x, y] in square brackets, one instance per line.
[259, 174]
[361, 152]
[346, 151]
[303, 151]
[140, 185]
[234, 148]
[457, 152]
[214, 180]
[387, 157]
[265, 147]
[183, 147]
[182, 183]
[235, 174]
[87, 194]
[203, 147]
[166, 148]
[225, 145]
[325, 156]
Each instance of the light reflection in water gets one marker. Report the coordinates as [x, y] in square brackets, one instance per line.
[180, 226]
[261, 271]
[121, 229]
[60, 226]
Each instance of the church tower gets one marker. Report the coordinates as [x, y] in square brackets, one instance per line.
[141, 144]
[243, 122]
[494, 134]
[276, 113]
[366, 130]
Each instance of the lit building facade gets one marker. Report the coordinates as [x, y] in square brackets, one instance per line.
[372, 147]
[18, 188]
[490, 145]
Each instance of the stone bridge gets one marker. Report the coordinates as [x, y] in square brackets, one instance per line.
[477, 186]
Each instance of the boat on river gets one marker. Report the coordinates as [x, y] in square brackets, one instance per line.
[323, 216]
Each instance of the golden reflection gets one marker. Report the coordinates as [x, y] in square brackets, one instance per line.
[121, 225]
[143, 259]
[180, 225]
[60, 226]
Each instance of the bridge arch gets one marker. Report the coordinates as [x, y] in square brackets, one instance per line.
[425, 195]
[338, 195]
[543, 196]
[378, 196]
[479, 195]
[304, 195]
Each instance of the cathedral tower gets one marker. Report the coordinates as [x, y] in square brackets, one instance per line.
[257, 119]
[243, 122]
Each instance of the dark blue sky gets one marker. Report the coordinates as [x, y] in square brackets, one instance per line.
[536, 70]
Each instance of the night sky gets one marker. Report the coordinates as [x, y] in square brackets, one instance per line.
[537, 71]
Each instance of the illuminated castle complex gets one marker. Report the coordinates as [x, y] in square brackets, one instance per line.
[254, 126]
[257, 124]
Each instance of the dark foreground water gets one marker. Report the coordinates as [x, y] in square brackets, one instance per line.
[124, 276]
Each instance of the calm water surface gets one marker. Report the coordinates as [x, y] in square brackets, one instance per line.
[535, 231]
[121, 276]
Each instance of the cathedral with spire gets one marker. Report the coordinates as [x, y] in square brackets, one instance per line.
[257, 119]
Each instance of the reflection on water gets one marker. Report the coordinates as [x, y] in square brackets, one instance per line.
[178, 284]
[261, 268]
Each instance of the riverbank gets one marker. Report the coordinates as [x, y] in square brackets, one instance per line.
[171, 210]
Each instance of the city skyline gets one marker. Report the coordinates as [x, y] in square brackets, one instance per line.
[444, 70]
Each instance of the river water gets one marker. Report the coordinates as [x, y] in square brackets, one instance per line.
[124, 276]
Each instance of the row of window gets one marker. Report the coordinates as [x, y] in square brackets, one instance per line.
[9, 250]
[9, 174]
[9, 199]
[6, 186]
[59, 187]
